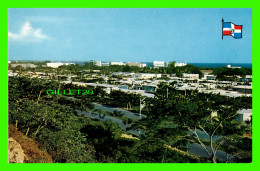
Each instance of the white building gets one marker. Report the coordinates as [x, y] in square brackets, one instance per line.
[104, 63]
[23, 65]
[97, 63]
[229, 66]
[186, 75]
[57, 64]
[133, 64]
[143, 65]
[125, 74]
[244, 115]
[147, 75]
[117, 63]
[157, 64]
[180, 64]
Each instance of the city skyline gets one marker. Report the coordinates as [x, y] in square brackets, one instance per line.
[133, 35]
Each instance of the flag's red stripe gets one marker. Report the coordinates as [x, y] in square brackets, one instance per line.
[237, 27]
[226, 32]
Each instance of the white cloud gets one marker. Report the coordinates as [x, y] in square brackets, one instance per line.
[27, 34]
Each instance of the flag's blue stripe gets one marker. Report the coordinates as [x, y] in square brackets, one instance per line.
[226, 25]
[238, 35]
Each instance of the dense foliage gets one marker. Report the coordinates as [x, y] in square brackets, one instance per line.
[173, 117]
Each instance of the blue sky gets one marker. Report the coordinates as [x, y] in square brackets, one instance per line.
[143, 35]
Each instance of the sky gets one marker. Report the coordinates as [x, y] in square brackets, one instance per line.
[128, 34]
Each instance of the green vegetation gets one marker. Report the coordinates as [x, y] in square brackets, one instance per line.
[69, 137]
[89, 67]
[230, 74]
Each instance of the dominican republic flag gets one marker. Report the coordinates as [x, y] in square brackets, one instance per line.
[230, 29]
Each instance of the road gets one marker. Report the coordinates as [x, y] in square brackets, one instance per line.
[193, 148]
[126, 113]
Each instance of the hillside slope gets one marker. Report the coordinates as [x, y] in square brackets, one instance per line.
[30, 148]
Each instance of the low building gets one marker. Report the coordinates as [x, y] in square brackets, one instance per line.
[23, 65]
[158, 64]
[229, 66]
[149, 87]
[147, 75]
[210, 77]
[186, 75]
[104, 63]
[117, 63]
[125, 74]
[244, 115]
[134, 64]
[123, 86]
[181, 64]
[206, 72]
[58, 64]
[11, 74]
[97, 63]
[143, 65]
[243, 88]
[248, 78]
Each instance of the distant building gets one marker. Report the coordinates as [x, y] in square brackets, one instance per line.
[229, 66]
[210, 77]
[206, 72]
[97, 63]
[149, 87]
[244, 115]
[134, 64]
[11, 74]
[157, 64]
[243, 88]
[58, 64]
[117, 63]
[9, 62]
[186, 75]
[180, 64]
[143, 65]
[23, 65]
[104, 63]
[248, 78]
[129, 74]
[138, 64]
[147, 75]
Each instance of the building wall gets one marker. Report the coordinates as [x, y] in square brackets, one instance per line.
[57, 64]
[134, 64]
[157, 64]
[105, 64]
[97, 63]
[23, 65]
[180, 64]
[117, 63]
[186, 75]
